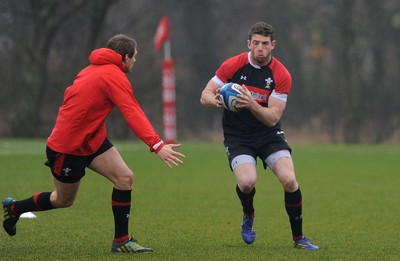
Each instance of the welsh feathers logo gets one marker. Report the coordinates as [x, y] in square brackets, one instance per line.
[268, 82]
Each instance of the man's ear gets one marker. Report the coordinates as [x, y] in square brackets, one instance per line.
[273, 43]
[125, 58]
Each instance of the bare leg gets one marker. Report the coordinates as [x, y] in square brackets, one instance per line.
[64, 194]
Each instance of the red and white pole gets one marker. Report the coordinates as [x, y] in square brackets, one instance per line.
[168, 97]
[168, 81]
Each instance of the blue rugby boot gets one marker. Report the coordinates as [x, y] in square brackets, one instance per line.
[247, 230]
[305, 244]
[10, 218]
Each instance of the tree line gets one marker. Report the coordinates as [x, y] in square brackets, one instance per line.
[343, 57]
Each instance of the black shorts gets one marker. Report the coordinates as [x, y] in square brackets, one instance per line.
[260, 149]
[70, 168]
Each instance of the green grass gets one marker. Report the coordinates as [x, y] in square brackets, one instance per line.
[350, 195]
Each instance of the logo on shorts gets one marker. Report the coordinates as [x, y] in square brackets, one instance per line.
[281, 133]
[66, 171]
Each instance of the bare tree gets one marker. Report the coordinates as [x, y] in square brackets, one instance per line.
[343, 56]
[32, 30]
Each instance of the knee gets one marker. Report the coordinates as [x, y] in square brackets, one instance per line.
[290, 184]
[246, 177]
[246, 185]
[125, 181]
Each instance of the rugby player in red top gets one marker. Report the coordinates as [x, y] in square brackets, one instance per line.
[79, 140]
[255, 130]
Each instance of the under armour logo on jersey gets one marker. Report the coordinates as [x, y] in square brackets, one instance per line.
[243, 77]
[268, 83]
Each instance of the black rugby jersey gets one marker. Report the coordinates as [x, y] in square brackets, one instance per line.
[261, 81]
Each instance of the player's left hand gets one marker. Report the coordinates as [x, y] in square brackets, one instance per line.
[245, 100]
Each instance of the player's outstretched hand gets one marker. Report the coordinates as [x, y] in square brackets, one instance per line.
[169, 156]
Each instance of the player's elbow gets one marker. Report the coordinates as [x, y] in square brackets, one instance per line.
[269, 119]
[204, 101]
[274, 118]
[273, 122]
[201, 101]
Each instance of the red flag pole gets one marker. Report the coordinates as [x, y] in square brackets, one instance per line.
[168, 81]
[168, 94]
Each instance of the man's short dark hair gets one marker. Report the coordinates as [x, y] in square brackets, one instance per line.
[122, 44]
[262, 29]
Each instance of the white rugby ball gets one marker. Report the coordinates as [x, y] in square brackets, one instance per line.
[227, 96]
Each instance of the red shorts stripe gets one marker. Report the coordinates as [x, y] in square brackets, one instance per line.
[58, 163]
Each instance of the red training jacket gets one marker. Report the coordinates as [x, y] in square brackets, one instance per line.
[80, 126]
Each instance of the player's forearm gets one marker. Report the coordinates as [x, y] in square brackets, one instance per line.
[266, 115]
[207, 99]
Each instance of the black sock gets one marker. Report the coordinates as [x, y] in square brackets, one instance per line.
[121, 207]
[293, 205]
[246, 200]
[38, 202]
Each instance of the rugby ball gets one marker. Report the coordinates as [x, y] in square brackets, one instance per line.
[227, 95]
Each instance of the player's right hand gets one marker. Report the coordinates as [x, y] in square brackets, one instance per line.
[169, 156]
[218, 102]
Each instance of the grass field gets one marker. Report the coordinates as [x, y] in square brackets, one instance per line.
[350, 195]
